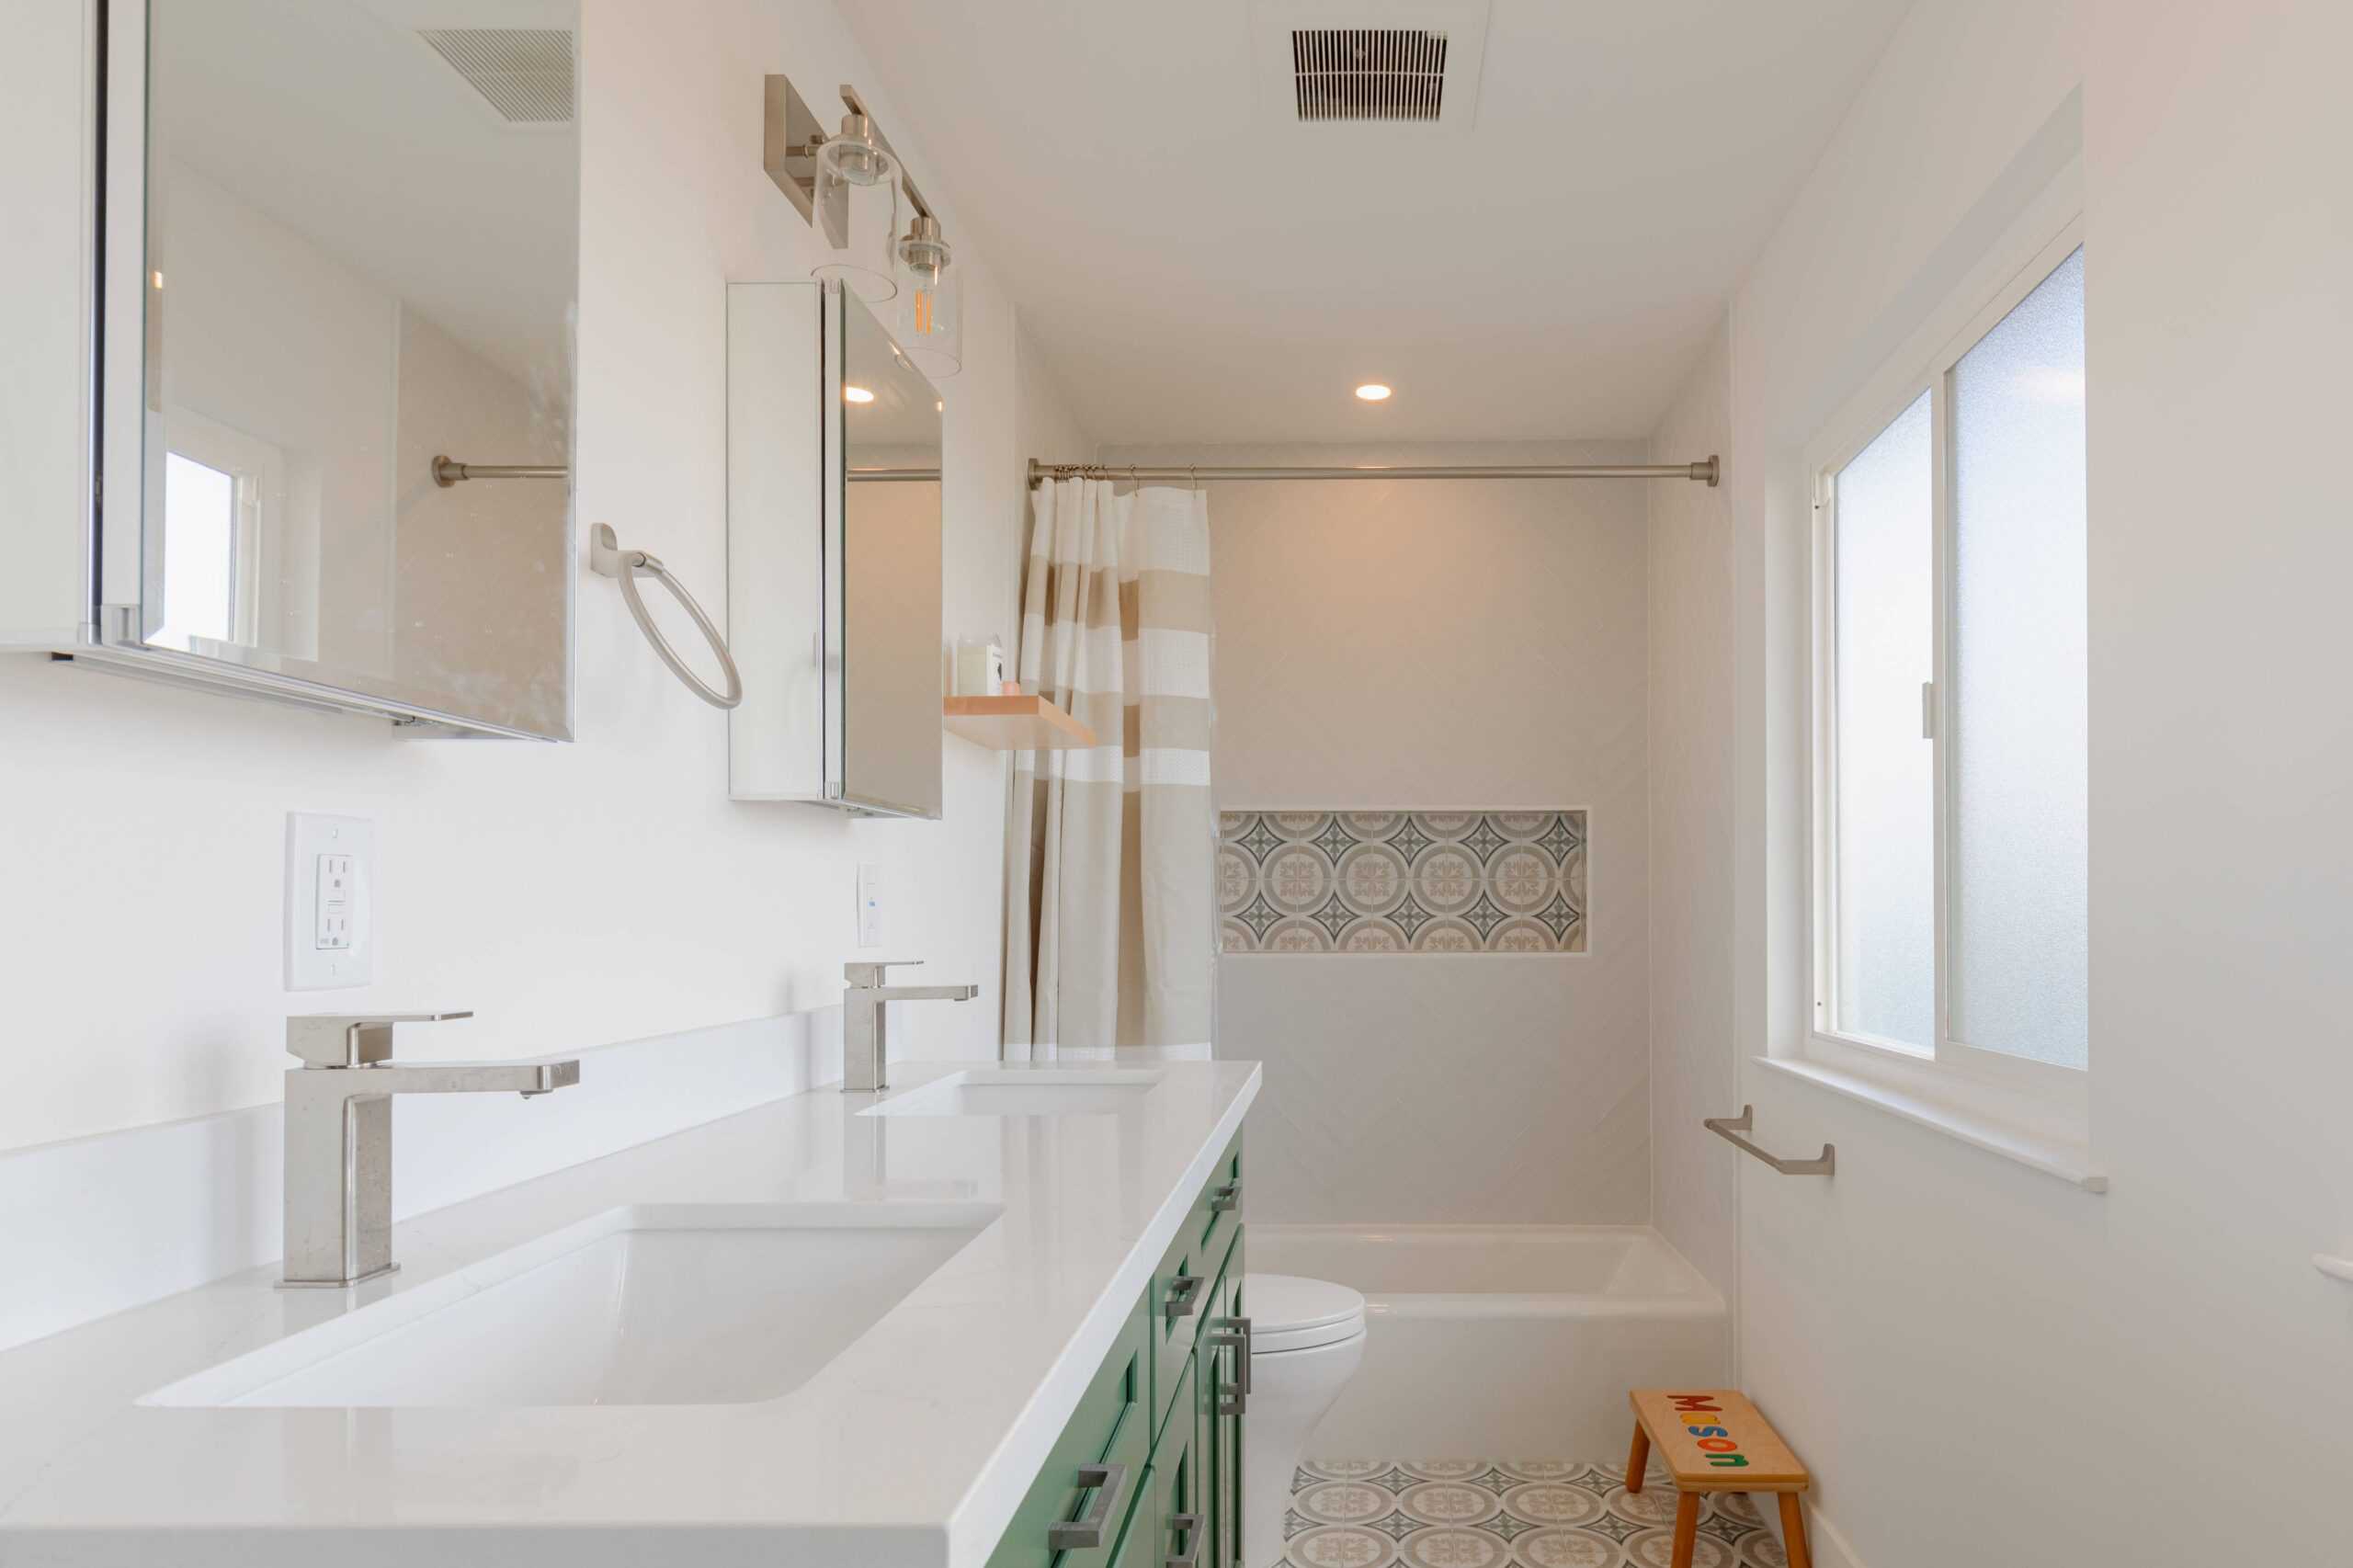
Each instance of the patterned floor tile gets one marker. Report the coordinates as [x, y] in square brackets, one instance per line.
[1506, 1514]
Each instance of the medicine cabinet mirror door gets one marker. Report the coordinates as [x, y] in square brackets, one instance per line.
[890, 548]
[833, 555]
[360, 252]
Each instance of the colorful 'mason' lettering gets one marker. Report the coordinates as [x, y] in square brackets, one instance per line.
[1715, 1438]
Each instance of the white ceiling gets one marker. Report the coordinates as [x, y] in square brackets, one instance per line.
[1200, 268]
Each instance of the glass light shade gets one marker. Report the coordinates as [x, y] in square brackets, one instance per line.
[858, 198]
[930, 325]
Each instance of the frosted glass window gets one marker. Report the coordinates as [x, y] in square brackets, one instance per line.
[2020, 908]
[1885, 898]
[199, 549]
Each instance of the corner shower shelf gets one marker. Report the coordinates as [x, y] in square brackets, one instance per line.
[1014, 724]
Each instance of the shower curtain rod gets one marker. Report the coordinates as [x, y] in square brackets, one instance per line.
[1708, 473]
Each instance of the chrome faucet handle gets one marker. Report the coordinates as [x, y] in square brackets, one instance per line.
[351, 1040]
[868, 973]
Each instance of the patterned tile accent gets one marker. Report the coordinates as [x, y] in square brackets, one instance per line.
[1401, 882]
[1506, 1514]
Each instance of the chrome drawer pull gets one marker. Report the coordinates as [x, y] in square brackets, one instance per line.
[1234, 1398]
[1189, 1527]
[1184, 1297]
[1236, 1332]
[1109, 1481]
[1227, 1197]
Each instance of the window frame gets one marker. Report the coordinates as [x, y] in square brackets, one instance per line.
[257, 470]
[2016, 1088]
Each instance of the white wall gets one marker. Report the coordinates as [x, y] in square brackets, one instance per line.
[570, 894]
[1049, 429]
[1473, 644]
[1690, 739]
[1981, 1363]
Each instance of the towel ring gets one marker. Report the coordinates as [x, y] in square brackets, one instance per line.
[607, 559]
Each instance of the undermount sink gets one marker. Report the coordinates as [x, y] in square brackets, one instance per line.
[996, 1091]
[653, 1304]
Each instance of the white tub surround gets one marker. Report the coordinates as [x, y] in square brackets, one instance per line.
[1505, 1339]
[911, 1447]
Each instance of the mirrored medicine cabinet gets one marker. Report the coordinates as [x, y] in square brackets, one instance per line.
[340, 243]
[833, 555]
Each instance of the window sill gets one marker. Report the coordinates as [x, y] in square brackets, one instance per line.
[2067, 1159]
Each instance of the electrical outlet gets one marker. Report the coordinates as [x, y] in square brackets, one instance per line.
[869, 905]
[330, 932]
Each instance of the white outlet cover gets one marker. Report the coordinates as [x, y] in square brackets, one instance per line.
[309, 967]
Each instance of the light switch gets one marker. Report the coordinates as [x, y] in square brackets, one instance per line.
[869, 905]
[329, 932]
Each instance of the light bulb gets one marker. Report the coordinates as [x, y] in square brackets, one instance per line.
[1372, 391]
[925, 254]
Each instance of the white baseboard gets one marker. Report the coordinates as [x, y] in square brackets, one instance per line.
[1829, 1548]
[94, 1226]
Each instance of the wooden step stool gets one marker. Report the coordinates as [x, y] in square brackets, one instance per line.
[1714, 1440]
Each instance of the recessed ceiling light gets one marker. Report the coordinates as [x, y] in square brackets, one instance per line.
[1372, 391]
[856, 395]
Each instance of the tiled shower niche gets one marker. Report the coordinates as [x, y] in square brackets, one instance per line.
[1401, 882]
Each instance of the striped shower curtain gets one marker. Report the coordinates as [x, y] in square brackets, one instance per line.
[1110, 913]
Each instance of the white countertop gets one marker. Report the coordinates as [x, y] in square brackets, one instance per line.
[913, 1447]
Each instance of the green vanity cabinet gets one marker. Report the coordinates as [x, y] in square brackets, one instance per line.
[1220, 1400]
[1177, 1481]
[1096, 1472]
[1147, 1471]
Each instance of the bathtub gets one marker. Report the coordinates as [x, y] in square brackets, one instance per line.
[1509, 1341]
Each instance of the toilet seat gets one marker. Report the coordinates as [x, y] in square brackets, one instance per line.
[1288, 1312]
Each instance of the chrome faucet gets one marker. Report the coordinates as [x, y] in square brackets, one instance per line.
[865, 1023]
[339, 1134]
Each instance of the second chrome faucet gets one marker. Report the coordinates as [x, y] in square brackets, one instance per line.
[866, 1022]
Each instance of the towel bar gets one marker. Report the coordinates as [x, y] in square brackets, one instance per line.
[1729, 1127]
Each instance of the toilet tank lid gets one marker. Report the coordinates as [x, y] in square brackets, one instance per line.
[1288, 1312]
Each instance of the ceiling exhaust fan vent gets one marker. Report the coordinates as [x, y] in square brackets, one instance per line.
[1364, 63]
[525, 74]
[1394, 73]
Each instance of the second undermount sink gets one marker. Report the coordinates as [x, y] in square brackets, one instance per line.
[1000, 1091]
[720, 1303]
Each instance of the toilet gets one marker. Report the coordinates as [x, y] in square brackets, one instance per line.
[1306, 1338]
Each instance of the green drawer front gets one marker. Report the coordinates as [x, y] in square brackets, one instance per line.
[1177, 1494]
[1111, 1426]
[1220, 1210]
[1181, 1285]
[1136, 1540]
